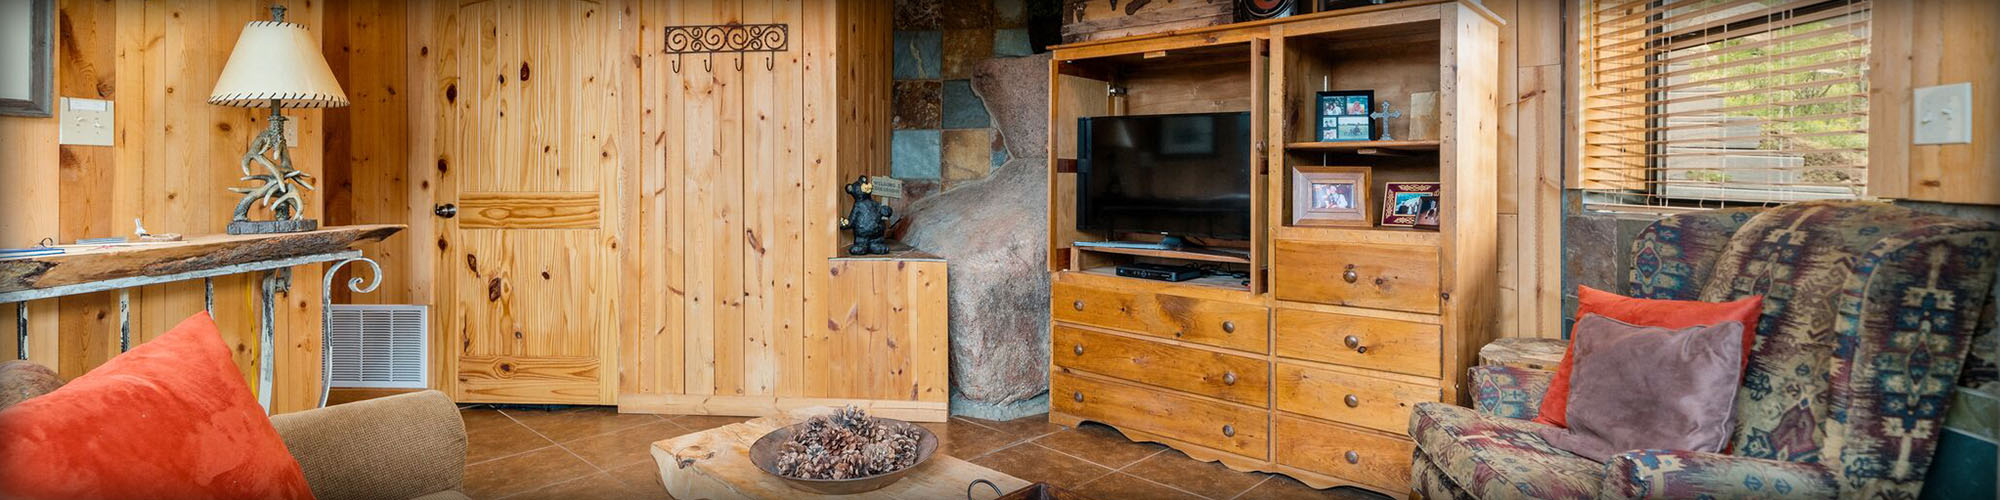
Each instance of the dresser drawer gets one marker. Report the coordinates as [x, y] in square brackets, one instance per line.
[1390, 277]
[1213, 374]
[1217, 323]
[1231, 428]
[1376, 343]
[1370, 402]
[1351, 454]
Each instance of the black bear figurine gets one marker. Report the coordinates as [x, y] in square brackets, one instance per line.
[869, 219]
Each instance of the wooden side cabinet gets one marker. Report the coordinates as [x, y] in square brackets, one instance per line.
[1309, 359]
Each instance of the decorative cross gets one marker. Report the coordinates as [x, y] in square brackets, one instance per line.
[1383, 113]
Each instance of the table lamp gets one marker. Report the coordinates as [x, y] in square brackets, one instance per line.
[275, 65]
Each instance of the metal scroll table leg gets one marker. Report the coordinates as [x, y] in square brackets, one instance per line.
[275, 282]
[21, 330]
[124, 319]
[325, 318]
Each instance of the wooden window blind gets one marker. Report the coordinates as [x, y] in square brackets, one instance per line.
[1708, 102]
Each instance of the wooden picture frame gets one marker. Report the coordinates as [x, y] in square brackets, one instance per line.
[1342, 115]
[32, 95]
[1412, 204]
[1331, 196]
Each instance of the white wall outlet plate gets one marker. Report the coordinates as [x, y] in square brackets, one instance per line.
[292, 132]
[1943, 114]
[85, 122]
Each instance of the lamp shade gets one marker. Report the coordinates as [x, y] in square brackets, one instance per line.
[277, 60]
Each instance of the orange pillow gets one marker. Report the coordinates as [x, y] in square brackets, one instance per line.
[170, 419]
[1669, 314]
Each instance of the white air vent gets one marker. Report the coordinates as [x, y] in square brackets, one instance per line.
[378, 346]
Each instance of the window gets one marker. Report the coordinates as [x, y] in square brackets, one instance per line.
[1713, 102]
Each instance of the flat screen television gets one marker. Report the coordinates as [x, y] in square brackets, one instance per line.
[1179, 174]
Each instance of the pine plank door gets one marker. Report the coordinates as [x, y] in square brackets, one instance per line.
[530, 273]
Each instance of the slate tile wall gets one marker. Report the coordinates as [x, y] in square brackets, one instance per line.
[943, 135]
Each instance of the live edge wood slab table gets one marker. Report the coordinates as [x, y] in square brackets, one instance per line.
[715, 464]
[85, 269]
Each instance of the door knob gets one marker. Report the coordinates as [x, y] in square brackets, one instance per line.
[446, 210]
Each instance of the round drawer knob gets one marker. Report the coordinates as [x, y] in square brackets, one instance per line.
[1352, 401]
[1229, 378]
[1228, 430]
[1229, 327]
[1078, 396]
[1353, 458]
[1078, 349]
[1350, 276]
[1352, 342]
[1077, 304]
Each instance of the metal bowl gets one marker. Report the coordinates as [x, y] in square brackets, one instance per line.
[764, 453]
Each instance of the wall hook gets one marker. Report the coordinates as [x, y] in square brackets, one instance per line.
[769, 63]
[739, 63]
[676, 64]
[708, 64]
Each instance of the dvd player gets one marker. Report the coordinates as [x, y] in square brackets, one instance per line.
[1160, 272]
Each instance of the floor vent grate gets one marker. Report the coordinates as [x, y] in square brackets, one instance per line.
[379, 346]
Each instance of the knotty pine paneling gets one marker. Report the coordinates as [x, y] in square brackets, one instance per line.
[744, 158]
[173, 157]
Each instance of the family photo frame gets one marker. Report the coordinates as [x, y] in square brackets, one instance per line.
[1343, 115]
[1330, 196]
[1412, 204]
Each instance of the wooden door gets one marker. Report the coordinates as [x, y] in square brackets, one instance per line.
[529, 270]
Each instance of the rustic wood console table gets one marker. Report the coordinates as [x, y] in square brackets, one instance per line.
[87, 269]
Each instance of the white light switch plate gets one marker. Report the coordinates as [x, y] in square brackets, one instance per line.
[1944, 114]
[85, 122]
[292, 132]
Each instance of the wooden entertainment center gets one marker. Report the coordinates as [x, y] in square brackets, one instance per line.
[1307, 361]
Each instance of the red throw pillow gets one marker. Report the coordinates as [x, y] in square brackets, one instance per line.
[172, 418]
[1669, 314]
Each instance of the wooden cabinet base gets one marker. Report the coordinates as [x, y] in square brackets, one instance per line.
[1233, 461]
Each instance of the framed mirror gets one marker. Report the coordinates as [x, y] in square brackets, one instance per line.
[27, 73]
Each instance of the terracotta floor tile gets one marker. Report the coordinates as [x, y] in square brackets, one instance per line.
[1033, 463]
[599, 486]
[487, 441]
[967, 441]
[569, 424]
[1119, 485]
[1285, 488]
[698, 423]
[481, 418]
[1100, 444]
[1209, 479]
[523, 473]
[1024, 427]
[643, 477]
[623, 447]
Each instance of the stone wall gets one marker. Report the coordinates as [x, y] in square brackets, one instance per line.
[991, 228]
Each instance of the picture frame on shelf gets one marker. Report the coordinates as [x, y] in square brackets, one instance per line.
[1331, 196]
[1343, 115]
[1412, 204]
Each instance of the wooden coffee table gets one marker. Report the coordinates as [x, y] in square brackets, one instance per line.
[716, 464]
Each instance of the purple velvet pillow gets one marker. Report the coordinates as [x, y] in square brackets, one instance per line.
[1640, 387]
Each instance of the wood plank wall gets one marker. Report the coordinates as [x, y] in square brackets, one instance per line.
[1530, 164]
[741, 189]
[174, 154]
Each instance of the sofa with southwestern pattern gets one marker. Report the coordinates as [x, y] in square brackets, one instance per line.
[1869, 310]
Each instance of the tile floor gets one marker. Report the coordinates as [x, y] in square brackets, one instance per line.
[597, 453]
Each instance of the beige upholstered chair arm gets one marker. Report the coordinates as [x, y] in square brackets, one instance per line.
[401, 446]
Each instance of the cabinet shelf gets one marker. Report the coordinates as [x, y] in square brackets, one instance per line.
[1200, 255]
[1364, 147]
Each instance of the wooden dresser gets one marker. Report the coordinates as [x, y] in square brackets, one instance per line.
[1308, 359]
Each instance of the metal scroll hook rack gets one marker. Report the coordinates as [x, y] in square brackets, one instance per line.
[738, 39]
